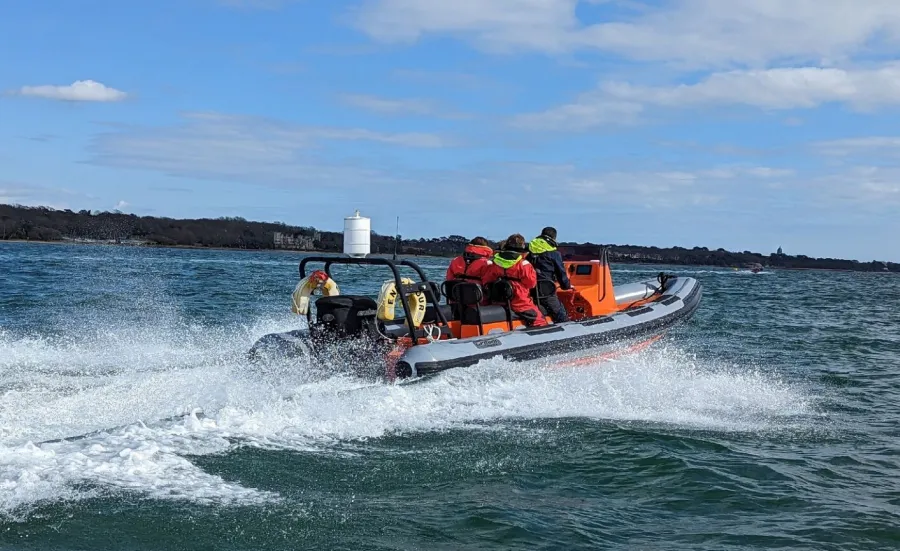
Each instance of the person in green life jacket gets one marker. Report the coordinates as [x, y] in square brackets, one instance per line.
[548, 264]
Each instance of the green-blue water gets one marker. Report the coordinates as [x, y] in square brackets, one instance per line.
[770, 420]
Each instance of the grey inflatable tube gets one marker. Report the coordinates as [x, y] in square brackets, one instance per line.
[681, 299]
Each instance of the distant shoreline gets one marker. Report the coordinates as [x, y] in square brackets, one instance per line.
[204, 248]
[386, 255]
[45, 224]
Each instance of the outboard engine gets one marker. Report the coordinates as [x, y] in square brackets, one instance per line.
[345, 316]
[346, 335]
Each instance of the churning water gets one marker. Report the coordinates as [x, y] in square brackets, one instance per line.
[129, 418]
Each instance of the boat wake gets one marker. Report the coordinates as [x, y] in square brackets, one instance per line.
[122, 410]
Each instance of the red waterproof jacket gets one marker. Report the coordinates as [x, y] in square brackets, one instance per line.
[521, 274]
[471, 264]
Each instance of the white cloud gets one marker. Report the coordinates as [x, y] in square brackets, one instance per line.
[728, 172]
[768, 172]
[24, 193]
[588, 111]
[404, 139]
[692, 32]
[80, 90]
[121, 205]
[246, 149]
[258, 135]
[389, 106]
[767, 54]
[261, 152]
[445, 79]
[771, 89]
[401, 107]
[264, 153]
[498, 24]
[783, 88]
[860, 146]
[883, 188]
[255, 151]
[862, 188]
[11, 194]
[658, 190]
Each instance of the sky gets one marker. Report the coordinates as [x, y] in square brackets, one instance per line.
[742, 124]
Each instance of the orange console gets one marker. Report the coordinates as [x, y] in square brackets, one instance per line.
[593, 295]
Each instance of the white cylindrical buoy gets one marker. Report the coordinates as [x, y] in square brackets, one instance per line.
[357, 236]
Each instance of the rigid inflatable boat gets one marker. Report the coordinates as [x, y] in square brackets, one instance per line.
[431, 336]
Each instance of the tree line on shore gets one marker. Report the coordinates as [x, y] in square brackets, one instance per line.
[47, 224]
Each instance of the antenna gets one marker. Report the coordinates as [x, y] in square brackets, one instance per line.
[397, 239]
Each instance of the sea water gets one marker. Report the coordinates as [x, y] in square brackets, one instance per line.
[129, 419]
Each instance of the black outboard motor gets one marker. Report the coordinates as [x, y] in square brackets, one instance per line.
[346, 335]
[345, 316]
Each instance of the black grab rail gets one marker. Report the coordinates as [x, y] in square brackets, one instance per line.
[404, 291]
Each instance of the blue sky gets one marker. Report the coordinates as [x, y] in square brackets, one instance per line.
[745, 124]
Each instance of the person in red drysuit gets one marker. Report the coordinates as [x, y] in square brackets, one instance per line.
[510, 263]
[470, 265]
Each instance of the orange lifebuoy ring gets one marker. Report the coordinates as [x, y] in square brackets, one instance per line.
[316, 280]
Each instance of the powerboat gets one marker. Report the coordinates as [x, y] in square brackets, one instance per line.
[457, 324]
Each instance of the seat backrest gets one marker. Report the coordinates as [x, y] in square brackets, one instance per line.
[502, 291]
[545, 288]
[447, 287]
[466, 293]
[345, 314]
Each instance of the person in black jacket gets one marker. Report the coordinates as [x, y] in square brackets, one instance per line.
[548, 264]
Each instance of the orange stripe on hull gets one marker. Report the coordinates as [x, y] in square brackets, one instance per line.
[606, 356]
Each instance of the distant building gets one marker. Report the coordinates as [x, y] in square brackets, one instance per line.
[295, 241]
[779, 251]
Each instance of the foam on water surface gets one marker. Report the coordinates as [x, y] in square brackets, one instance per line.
[118, 410]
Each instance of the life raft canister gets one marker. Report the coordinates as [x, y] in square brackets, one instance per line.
[387, 301]
[316, 280]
